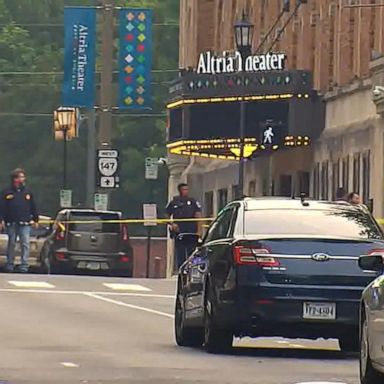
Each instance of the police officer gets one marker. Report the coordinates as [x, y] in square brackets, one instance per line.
[184, 207]
[17, 213]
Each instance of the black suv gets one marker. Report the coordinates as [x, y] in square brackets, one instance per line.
[88, 240]
[277, 267]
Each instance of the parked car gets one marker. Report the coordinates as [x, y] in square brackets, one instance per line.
[372, 322]
[36, 242]
[277, 267]
[90, 240]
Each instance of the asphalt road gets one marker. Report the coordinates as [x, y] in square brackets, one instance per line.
[63, 329]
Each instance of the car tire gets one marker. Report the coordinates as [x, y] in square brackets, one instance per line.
[368, 374]
[216, 339]
[186, 336]
[349, 343]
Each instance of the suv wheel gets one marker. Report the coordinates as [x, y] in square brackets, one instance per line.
[349, 343]
[186, 336]
[368, 374]
[216, 340]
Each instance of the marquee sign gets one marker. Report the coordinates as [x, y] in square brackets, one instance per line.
[231, 63]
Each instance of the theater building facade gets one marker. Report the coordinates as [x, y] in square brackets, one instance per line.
[314, 90]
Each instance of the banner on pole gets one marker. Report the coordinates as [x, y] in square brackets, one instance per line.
[79, 57]
[135, 62]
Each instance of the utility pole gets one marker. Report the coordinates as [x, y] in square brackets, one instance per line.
[105, 120]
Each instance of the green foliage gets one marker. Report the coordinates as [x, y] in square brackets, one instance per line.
[26, 139]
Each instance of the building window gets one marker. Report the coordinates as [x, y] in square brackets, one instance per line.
[208, 204]
[356, 173]
[346, 174]
[366, 160]
[222, 198]
[316, 181]
[335, 179]
[252, 189]
[324, 181]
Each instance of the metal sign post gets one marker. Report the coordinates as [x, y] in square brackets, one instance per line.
[149, 213]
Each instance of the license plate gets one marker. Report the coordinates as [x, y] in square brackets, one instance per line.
[319, 311]
[93, 266]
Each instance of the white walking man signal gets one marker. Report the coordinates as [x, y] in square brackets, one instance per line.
[268, 136]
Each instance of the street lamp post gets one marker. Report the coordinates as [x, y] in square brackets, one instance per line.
[243, 37]
[66, 118]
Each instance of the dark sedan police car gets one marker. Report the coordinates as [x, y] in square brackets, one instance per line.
[277, 267]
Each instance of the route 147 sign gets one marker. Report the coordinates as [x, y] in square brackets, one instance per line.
[108, 168]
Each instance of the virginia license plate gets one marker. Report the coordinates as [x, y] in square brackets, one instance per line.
[319, 311]
[93, 266]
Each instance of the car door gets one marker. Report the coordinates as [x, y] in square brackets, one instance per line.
[209, 259]
[374, 298]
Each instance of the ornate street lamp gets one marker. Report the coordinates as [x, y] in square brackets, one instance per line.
[244, 38]
[244, 35]
[65, 128]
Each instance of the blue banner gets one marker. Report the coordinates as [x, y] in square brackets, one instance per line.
[135, 62]
[79, 57]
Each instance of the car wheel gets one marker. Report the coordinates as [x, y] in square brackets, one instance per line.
[349, 343]
[368, 374]
[186, 336]
[216, 340]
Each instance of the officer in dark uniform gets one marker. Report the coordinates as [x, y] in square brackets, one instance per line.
[184, 207]
[18, 212]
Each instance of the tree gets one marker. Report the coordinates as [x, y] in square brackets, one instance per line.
[31, 40]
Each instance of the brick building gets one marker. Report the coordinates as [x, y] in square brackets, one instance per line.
[343, 47]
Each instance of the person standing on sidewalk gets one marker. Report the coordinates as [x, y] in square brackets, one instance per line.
[184, 207]
[17, 213]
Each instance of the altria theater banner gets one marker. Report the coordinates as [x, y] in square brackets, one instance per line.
[79, 57]
[234, 62]
[135, 61]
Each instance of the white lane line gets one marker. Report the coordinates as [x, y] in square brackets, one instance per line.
[68, 364]
[322, 382]
[14, 290]
[126, 287]
[122, 304]
[31, 284]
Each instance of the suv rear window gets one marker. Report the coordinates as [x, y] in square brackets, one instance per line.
[94, 222]
[333, 222]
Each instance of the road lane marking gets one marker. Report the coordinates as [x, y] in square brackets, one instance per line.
[323, 382]
[126, 287]
[153, 295]
[31, 284]
[122, 304]
[69, 364]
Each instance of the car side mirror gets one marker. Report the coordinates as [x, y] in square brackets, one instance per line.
[372, 263]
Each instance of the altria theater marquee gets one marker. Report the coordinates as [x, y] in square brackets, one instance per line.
[282, 110]
[230, 63]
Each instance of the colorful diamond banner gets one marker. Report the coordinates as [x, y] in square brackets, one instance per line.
[135, 61]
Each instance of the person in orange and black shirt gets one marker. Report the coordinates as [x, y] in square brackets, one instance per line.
[17, 213]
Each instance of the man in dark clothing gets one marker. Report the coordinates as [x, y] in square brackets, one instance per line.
[184, 207]
[341, 194]
[17, 213]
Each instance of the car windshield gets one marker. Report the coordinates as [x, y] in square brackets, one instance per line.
[325, 222]
[94, 222]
